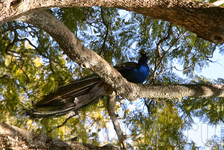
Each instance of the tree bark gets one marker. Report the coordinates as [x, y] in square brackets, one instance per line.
[204, 19]
[111, 101]
[12, 137]
[89, 59]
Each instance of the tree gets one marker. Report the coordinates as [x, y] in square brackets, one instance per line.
[214, 143]
[33, 63]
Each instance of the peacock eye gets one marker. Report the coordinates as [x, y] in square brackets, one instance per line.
[143, 52]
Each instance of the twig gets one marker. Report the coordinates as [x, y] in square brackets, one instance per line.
[111, 100]
[6, 77]
[169, 32]
[21, 67]
[222, 120]
[51, 67]
[148, 105]
[62, 123]
[107, 31]
[157, 65]
[14, 40]
[40, 53]
[180, 69]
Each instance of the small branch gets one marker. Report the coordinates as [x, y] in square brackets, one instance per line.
[107, 31]
[21, 67]
[14, 40]
[169, 33]
[183, 69]
[40, 53]
[110, 108]
[51, 67]
[148, 105]
[145, 26]
[222, 120]
[6, 77]
[170, 49]
[62, 123]
[156, 66]
[160, 62]
[3, 77]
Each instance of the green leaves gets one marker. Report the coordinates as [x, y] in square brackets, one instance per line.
[32, 65]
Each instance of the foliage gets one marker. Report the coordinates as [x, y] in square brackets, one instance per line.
[214, 143]
[32, 65]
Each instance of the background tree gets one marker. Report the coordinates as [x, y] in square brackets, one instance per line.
[33, 63]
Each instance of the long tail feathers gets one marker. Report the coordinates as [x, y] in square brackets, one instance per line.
[70, 97]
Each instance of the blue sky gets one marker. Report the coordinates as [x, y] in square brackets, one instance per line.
[215, 70]
[202, 131]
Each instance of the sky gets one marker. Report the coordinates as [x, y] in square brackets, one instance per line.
[215, 70]
[200, 132]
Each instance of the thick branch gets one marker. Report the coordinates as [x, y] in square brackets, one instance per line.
[75, 50]
[204, 19]
[12, 137]
[89, 59]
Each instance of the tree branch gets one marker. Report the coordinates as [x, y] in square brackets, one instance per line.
[12, 137]
[169, 33]
[156, 66]
[107, 31]
[159, 55]
[89, 59]
[66, 120]
[204, 19]
[110, 108]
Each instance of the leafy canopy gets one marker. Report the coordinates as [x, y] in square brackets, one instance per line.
[32, 65]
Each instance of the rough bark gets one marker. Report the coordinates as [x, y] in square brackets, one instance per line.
[12, 137]
[204, 19]
[87, 58]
